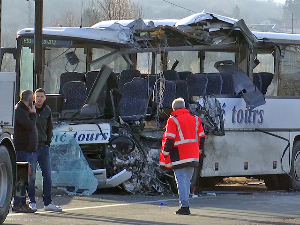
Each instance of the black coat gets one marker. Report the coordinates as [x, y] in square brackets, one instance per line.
[44, 125]
[25, 130]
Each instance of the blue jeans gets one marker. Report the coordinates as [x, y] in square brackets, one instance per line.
[42, 156]
[24, 156]
[183, 178]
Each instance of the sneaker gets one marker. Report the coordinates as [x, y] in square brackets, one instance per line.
[183, 211]
[192, 195]
[33, 206]
[22, 209]
[52, 207]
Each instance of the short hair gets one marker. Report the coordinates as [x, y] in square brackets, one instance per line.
[41, 90]
[26, 95]
[178, 103]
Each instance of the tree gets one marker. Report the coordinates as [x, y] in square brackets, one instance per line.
[236, 12]
[99, 10]
[67, 19]
[291, 7]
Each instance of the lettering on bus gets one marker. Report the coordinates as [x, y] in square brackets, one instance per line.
[245, 116]
[45, 41]
[51, 42]
[83, 137]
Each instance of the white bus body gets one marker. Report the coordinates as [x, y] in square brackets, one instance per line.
[260, 140]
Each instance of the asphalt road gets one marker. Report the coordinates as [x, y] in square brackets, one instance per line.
[232, 206]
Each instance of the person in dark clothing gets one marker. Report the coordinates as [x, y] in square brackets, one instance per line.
[42, 156]
[25, 141]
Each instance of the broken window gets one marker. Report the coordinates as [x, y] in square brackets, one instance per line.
[70, 170]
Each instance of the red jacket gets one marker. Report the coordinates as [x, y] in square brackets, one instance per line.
[181, 140]
[164, 160]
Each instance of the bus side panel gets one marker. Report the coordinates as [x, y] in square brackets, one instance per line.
[277, 113]
[245, 153]
[244, 150]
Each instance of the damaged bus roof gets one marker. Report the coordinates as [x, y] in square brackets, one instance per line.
[197, 29]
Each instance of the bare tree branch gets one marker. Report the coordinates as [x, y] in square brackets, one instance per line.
[100, 10]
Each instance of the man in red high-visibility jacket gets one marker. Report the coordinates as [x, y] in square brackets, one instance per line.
[180, 149]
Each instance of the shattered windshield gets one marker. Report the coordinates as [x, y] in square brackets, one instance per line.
[74, 171]
[70, 169]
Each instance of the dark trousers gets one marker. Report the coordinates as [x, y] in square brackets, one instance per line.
[41, 156]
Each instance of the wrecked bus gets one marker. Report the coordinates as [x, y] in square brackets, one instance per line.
[110, 87]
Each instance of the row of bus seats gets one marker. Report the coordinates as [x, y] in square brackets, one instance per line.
[176, 84]
[262, 81]
[75, 86]
[137, 89]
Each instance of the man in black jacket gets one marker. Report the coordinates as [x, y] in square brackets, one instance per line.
[45, 126]
[25, 141]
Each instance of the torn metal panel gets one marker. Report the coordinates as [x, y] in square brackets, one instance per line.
[197, 29]
[128, 23]
[139, 24]
[209, 110]
[201, 17]
[98, 85]
[243, 85]
[249, 36]
[192, 30]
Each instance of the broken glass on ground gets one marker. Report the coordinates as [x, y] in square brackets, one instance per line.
[70, 170]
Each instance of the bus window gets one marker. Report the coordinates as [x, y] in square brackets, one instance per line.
[56, 63]
[188, 61]
[26, 69]
[117, 65]
[8, 63]
[144, 63]
[266, 64]
[290, 72]
[212, 57]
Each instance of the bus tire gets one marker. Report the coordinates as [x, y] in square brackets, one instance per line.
[271, 182]
[277, 182]
[295, 168]
[6, 182]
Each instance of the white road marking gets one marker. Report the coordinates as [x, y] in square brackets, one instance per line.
[94, 207]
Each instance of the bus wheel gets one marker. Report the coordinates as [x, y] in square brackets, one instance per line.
[6, 182]
[272, 182]
[295, 168]
[277, 182]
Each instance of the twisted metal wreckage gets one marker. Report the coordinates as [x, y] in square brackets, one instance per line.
[91, 151]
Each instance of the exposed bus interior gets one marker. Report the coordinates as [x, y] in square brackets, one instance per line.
[132, 85]
[187, 74]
